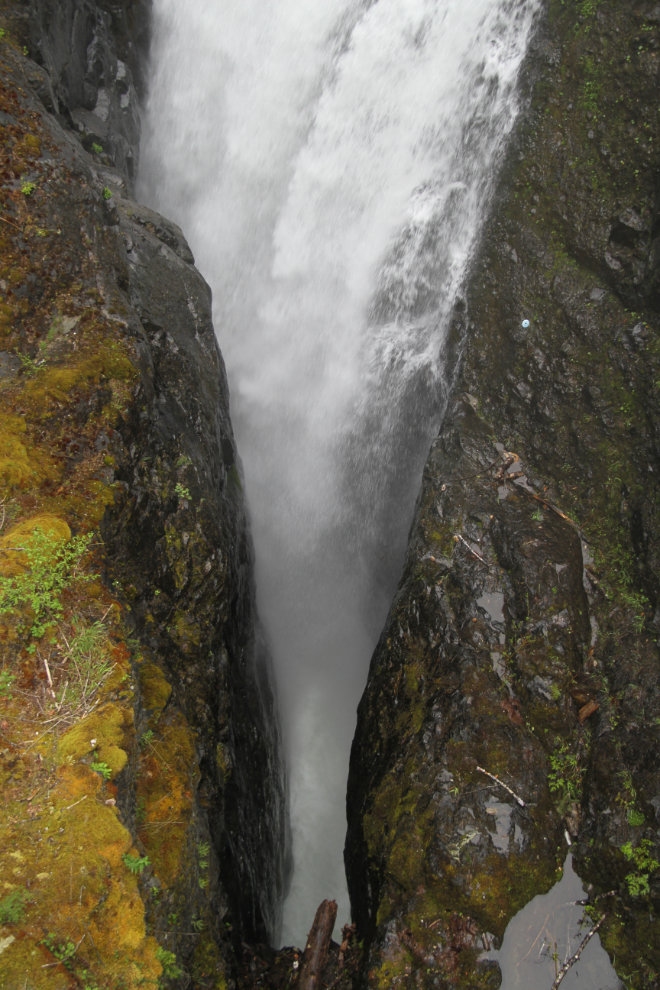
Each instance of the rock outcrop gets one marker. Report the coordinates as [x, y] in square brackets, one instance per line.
[523, 637]
[88, 67]
[143, 824]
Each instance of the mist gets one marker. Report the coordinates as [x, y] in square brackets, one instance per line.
[331, 163]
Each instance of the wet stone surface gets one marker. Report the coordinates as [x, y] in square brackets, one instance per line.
[489, 623]
[523, 637]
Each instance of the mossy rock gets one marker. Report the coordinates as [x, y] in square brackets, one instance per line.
[208, 966]
[21, 466]
[107, 731]
[155, 690]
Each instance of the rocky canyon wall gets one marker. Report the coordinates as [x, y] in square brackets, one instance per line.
[143, 822]
[142, 805]
[523, 639]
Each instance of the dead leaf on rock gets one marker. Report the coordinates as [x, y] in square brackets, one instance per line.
[587, 710]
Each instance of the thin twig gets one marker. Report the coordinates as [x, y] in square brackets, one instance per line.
[60, 961]
[502, 784]
[50, 679]
[168, 931]
[574, 958]
[534, 942]
[471, 549]
[10, 223]
[63, 696]
[89, 933]
[75, 803]
[157, 825]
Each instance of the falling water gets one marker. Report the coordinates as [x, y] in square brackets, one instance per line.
[331, 162]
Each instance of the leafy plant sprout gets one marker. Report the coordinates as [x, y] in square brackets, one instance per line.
[63, 951]
[565, 777]
[50, 568]
[171, 970]
[102, 768]
[29, 365]
[12, 907]
[135, 864]
[645, 864]
[6, 681]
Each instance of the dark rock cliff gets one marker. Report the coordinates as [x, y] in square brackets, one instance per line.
[523, 639]
[164, 777]
[89, 68]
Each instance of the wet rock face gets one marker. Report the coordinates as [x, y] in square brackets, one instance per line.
[566, 708]
[179, 545]
[489, 624]
[89, 69]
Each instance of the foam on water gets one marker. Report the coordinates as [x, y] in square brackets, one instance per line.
[331, 162]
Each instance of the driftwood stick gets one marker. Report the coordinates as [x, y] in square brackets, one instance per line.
[316, 950]
[502, 784]
[574, 958]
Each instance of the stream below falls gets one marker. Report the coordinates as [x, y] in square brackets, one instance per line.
[331, 163]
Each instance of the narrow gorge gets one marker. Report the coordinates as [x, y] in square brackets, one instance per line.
[370, 613]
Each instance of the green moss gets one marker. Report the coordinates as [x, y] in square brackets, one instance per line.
[155, 690]
[111, 727]
[234, 478]
[208, 966]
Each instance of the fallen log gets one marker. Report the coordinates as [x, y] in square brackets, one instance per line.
[316, 950]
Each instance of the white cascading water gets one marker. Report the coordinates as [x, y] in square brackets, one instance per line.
[331, 163]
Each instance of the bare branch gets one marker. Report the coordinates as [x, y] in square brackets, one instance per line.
[574, 958]
[502, 784]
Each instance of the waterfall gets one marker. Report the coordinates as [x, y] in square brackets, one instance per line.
[331, 162]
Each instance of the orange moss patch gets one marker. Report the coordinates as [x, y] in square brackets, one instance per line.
[13, 562]
[71, 854]
[154, 689]
[21, 467]
[164, 795]
[27, 956]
